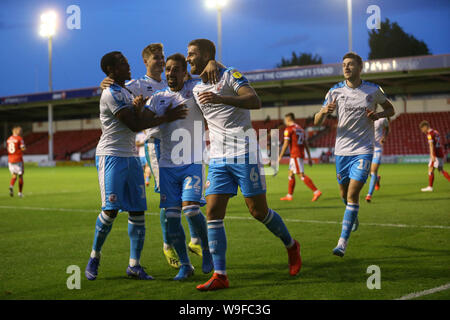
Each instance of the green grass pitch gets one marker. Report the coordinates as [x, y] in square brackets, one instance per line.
[52, 227]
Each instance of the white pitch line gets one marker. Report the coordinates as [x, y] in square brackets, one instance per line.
[425, 292]
[246, 218]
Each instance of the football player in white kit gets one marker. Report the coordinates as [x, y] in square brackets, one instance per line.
[120, 174]
[233, 162]
[381, 132]
[181, 167]
[355, 102]
[151, 82]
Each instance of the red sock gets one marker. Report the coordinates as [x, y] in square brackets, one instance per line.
[13, 181]
[309, 183]
[430, 179]
[445, 173]
[20, 184]
[291, 185]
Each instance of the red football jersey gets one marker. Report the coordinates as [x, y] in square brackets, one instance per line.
[14, 145]
[438, 149]
[296, 136]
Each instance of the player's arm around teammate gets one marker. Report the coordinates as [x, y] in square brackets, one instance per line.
[225, 107]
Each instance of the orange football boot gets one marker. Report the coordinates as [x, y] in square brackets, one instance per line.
[217, 282]
[377, 185]
[316, 195]
[295, 259]
[287, 198]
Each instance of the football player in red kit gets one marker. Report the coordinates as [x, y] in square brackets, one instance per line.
[15, 146]
[436, 154]
[294, 137]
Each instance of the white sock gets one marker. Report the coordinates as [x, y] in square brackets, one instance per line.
[224, 273]
[342, 243]
[195, 240]
[134, 262]
[95, 254]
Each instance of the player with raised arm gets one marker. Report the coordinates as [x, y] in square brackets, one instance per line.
[381, 132]
[355, 102]
[120, 174]
[181, 168]
[151, 82]
[437, 154]
[15, 147]
[295, 139]
[234, 159]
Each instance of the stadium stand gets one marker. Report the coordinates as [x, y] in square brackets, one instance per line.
[418, 86]
[404, 138]
[65, 142]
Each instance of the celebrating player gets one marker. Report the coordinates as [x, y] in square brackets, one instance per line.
[16, 146]
[181, 173]
[355, 102]
[225, 106]
[120, 174]
[436, 154]
[295, 139]
[151, 82]
[381, 131]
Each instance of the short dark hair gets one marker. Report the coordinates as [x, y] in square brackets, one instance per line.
[205, 46]
[290, 115]
[424, 123]
[178, 57]
[353, 55]
[109, 60]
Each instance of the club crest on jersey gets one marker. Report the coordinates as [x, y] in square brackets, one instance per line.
[237, 75]
[219, 87]
[112, 198]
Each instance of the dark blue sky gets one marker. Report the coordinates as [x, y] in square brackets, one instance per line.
[256, 34]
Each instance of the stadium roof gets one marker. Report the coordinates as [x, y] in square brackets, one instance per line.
[292, 85]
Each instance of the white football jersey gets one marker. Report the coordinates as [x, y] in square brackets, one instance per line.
[355, 131]
[182, 140]
[117, 139]
[227, 124]
[380, 126]
[146, 87]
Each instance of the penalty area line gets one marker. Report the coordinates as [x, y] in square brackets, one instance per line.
[240, 218]
[425, 292]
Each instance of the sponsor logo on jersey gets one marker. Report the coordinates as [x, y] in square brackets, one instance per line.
[237, 75]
